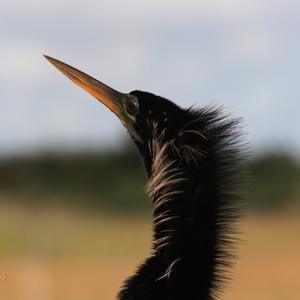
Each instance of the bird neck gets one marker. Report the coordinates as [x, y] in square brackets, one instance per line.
[191, 218]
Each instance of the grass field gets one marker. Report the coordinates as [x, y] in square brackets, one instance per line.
[57, 254]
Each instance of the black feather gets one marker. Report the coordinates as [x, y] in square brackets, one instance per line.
[203, 150]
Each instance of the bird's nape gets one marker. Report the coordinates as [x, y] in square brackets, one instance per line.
[192, 159]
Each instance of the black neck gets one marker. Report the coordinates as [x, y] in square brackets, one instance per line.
[193, 209]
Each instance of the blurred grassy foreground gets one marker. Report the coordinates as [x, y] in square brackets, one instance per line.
[74, 227]
[63, 255]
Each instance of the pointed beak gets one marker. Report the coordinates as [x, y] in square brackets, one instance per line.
[106, 95]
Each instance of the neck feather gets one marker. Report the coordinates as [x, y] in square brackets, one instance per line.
[191, 185]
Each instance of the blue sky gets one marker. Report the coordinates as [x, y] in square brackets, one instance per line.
[241, 54]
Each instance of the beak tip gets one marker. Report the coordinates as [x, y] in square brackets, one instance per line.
[50, 59]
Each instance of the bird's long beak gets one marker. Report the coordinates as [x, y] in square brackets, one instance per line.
[109, 97]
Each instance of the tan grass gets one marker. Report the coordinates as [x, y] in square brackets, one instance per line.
[87, 257]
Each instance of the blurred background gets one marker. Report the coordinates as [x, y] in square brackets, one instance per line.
[74, 218]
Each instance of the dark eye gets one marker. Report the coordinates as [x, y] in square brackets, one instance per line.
[131, 107]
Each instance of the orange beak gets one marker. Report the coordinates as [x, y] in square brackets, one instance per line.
[106, 95]
[111, 98]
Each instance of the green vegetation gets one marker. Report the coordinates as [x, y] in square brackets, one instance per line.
[274, 182]
[114, 181]
[110, 181]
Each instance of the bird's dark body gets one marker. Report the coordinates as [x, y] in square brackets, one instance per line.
[191, 158]
[193, 228]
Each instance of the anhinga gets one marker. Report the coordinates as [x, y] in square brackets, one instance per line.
[191, 157]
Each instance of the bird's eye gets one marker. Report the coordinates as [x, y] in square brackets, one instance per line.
[131, 107]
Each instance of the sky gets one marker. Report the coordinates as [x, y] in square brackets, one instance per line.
[243, 54]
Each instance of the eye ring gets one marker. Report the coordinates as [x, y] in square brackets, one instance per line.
[131, 106]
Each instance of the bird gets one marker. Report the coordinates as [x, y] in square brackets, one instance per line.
[192, 159]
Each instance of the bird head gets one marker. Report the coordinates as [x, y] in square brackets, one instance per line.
[142, 113]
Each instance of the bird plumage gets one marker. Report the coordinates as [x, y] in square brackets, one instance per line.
[192, 161]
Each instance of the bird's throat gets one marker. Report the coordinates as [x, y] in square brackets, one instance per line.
[172, 272]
